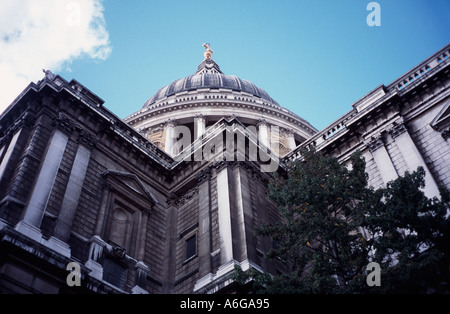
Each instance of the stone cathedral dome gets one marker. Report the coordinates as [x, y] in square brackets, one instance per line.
[208, 95]
[209, 76]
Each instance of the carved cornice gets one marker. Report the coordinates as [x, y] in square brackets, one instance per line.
[26, 121]
[70, 127]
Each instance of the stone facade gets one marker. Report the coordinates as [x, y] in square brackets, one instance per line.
[78, 184]
[398, 127]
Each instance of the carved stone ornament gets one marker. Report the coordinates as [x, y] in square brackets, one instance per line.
[203, 175]
[446, 133]
[65, 124]
[87, 138]
[397, 128]
[187, 196]
[374, 142]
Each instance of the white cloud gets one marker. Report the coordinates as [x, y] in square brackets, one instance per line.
[46, 34]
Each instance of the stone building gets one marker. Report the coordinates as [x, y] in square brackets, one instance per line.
[166, 200]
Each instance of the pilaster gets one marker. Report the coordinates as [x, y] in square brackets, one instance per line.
[224, 208]
[45, 179]
[381, 158]
[413, 157]
[72, 194]
[204, 224]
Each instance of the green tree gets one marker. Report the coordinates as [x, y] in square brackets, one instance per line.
[410, 236]
[332, 225]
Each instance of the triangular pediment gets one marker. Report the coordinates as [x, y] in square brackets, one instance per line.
[442, 119]
[230, 140]
[130, 181]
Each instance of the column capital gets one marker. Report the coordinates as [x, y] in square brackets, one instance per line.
[203, 175]
[374, 142]
[172, 199]
[289, 132]
[64, 124]
[170, 123]
[28, 120]
[220, 164]
[87, 139]
[396, 128]
[200, 117]
[261, 122]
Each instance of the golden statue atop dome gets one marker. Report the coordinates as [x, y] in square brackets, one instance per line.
[208, 53]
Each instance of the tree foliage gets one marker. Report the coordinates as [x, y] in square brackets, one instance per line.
[332, 224]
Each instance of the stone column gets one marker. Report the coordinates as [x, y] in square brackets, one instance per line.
[291, 139]
[381, 158]
[263, 133]
[45, 180]
[170, 137]
[224, 210]
[413, 157]
[72, 194]
[199, 126]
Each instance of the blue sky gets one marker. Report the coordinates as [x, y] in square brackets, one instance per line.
[313, 57]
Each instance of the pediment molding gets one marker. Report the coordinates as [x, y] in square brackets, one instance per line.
[128, 181]
[441, 122]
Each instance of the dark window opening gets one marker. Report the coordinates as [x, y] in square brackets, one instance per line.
[114, 273]
[191, 247]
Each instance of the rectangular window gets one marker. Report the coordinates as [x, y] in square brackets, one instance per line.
[191, 247]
